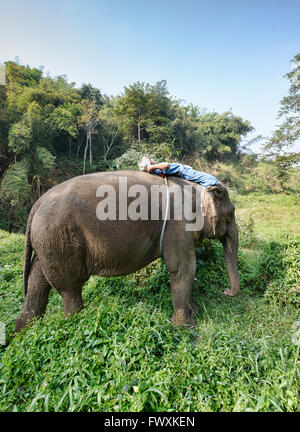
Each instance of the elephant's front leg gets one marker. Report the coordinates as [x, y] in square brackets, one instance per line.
[182, 274]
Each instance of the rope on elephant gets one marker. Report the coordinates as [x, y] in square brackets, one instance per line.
[203, 190]
[165, 217]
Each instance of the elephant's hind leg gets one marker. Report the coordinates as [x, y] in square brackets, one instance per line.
[67, 276]
[72, 300]
[36, 299]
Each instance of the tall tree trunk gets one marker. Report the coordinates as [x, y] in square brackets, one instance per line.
[91, 156]
[139, 133]
[79, 144]
[11, 215]
[70, 147]
[108, 147]
[85, 153]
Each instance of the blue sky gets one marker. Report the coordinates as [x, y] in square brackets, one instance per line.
[217, 54]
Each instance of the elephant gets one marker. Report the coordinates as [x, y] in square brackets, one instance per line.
[66, 243]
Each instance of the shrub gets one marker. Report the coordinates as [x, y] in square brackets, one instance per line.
[263, 178]
[128, 160]
[279, 269]
[247, 236]
[231, 175]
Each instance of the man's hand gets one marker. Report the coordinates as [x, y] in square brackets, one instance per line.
[150, 169]
[160, 166]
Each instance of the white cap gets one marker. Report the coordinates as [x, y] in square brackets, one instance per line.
[144, 163]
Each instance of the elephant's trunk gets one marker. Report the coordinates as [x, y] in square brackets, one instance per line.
[230, 245]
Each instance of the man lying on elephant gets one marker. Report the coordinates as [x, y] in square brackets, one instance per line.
[183, 171]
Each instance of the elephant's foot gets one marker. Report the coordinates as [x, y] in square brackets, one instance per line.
[72, 302]
[181, 319]
[20, 324]
[194, 308]
[22, 321]
[231, 292]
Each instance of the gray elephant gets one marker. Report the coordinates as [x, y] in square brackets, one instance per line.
[66, 241]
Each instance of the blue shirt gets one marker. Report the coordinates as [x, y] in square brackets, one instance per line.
[188, 173]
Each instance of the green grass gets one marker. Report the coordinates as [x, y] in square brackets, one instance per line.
[123, 355]
[270, 212]
[121, 352]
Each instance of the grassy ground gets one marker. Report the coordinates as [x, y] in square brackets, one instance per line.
[270, 212]
[122, 354]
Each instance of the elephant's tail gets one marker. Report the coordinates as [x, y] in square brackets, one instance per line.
[28, 252]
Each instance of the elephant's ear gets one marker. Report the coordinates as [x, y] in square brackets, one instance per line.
[218, 193]
[221, 199]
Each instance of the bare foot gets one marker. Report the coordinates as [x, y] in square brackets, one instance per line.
[230, 292]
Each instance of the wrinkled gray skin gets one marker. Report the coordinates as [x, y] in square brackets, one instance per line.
[66, 244]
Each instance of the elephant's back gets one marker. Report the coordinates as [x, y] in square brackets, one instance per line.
[65, 219]
[79, 196]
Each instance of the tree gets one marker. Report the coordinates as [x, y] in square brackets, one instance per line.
[28, 105]
[133, 107]
[289, 131]
[64, 118]
[30, 154]
[144, 109]
[218, 135]
[109, 128]
[6, 155]
[88, 92]
[283, 165]
[89, 120]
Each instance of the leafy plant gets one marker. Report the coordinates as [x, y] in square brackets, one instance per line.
[122, 354]
[279, 270]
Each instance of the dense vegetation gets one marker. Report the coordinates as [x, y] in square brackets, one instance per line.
[121, 352]
[50, 131]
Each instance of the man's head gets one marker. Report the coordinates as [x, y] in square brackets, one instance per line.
[144, 163]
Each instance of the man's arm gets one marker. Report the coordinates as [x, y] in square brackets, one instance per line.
[160, 166]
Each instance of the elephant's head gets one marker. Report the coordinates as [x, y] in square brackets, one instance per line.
[220, 223]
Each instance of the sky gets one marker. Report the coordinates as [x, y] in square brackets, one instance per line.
[216, 54]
